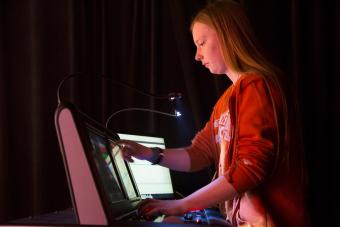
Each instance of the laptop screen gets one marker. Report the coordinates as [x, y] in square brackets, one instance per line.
[152, 180]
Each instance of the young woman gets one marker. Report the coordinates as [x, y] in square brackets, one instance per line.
[251, 136]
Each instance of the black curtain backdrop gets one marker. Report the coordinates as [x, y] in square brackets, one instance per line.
[147, 44]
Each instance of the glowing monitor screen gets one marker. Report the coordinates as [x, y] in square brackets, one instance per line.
[122, 170]
[151, 180]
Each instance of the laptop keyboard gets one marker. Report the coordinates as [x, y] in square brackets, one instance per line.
[135, 216]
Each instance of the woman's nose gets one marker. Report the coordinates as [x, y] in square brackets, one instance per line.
[198, 56]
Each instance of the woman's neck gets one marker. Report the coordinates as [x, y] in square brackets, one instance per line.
[233, 76]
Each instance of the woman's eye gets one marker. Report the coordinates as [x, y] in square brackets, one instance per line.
[201, 44]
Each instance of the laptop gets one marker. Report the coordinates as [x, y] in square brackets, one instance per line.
[101, 185]
[153, 181]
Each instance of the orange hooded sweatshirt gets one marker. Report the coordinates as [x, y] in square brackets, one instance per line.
[250, 144]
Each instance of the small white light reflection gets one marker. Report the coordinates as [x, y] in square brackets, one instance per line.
[177, 113]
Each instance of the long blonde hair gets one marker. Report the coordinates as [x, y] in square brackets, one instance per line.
[238, 43]
[241, 51]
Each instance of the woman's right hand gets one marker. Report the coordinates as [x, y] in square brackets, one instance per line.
[130, 148]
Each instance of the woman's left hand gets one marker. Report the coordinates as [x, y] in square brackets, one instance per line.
[150, 207]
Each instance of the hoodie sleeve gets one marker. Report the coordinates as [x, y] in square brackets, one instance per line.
[201, 149]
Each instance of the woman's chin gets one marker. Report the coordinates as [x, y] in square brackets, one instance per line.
[215, 72]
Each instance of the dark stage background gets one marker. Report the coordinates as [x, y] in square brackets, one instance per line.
[147, 44]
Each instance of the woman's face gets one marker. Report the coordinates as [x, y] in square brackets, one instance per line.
[208, 48]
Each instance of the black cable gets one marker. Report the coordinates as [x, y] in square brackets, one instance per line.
[171, 96]
[176, 114]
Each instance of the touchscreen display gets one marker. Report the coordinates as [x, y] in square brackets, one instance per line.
[123, 171]
[103, 163]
